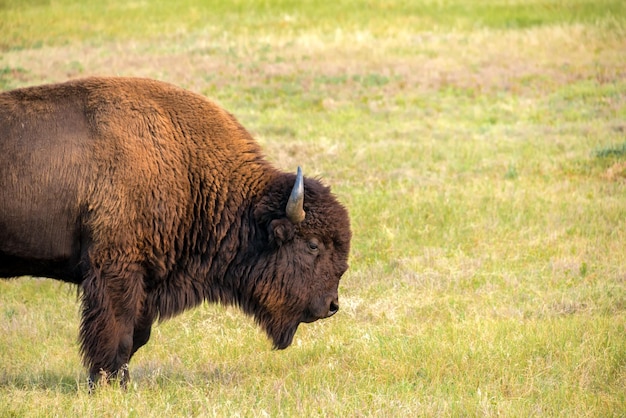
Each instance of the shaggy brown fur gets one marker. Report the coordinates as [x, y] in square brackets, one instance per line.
[153, 199]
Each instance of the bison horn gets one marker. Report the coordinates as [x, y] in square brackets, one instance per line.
[295, 205]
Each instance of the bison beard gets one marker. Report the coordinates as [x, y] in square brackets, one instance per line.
[152, 200]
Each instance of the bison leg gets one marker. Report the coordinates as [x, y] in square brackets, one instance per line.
[111, 304]
[141, 333]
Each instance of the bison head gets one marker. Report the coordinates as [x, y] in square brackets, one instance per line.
[302, 251]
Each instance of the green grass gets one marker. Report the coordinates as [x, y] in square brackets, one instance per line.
[480, 148]
[34, 23]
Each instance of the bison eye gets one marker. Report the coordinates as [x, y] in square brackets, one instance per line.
[313, 246]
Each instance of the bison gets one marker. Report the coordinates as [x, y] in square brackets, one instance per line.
[153, 199]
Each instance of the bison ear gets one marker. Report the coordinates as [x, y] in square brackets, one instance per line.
[281, 231]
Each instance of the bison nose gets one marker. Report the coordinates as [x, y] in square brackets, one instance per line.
[334, 307]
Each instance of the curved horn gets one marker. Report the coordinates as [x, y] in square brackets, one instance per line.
[295, 205]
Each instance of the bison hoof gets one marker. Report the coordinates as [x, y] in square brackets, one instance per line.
[124, 376]
[103, 378]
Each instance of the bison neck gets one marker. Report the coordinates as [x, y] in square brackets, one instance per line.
[219, 249]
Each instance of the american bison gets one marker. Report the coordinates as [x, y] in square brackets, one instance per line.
[153, 199]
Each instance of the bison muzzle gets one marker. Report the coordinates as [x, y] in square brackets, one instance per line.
[153, 199]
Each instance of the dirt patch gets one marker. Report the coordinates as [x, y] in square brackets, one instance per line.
[617, 172]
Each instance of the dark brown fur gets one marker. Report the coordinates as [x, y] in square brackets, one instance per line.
[153, 199]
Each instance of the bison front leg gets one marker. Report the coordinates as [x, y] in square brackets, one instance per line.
[141, 333]
[111, 303]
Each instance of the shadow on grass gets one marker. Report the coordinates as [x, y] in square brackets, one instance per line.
[48, 381]
[155, 376]
[142, 377]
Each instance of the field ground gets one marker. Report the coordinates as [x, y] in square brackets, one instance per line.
[480, 147]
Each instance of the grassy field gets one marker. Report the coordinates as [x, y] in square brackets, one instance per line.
[480, 147]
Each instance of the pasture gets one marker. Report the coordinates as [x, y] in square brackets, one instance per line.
[480, 147]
